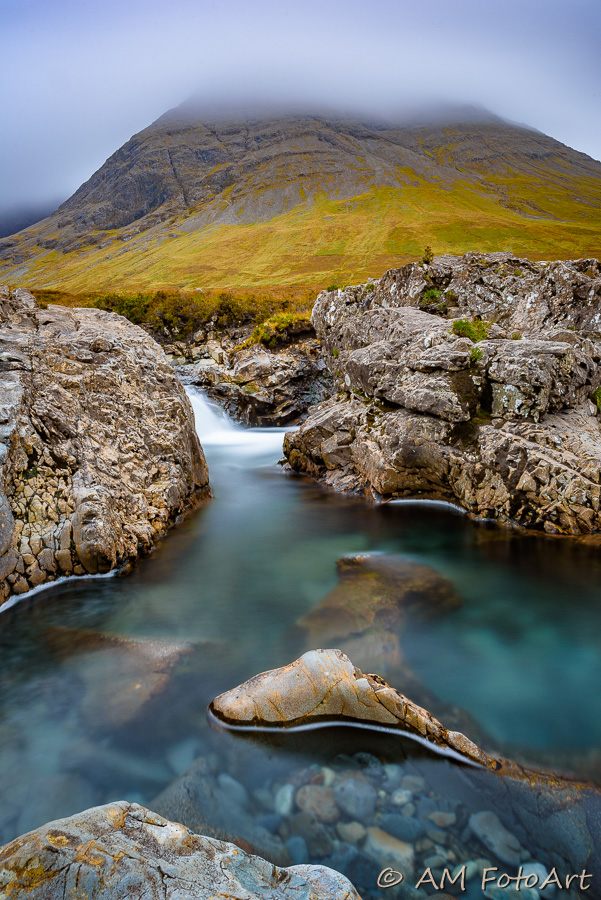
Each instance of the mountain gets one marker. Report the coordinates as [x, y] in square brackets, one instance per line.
[202, 200]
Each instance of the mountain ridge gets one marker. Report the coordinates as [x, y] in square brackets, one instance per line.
[192, 203]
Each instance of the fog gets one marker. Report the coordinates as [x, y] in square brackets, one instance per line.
[80, 77]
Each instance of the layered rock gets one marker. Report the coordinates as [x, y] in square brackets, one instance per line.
[110, 852]
[554, 814]
[98, 452]
[257, 385]
[472, 380]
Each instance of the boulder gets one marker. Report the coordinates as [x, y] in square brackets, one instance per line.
[124, 850]
[555, 814]
[486, 398]
[98, 451]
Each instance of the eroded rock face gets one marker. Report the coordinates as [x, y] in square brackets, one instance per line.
[260, 386]
[504, 426]
[124, 850]
[98, 452]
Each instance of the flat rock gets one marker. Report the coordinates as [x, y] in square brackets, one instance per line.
[122, 849]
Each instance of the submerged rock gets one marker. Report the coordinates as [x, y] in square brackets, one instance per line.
[485, 398]
[142, 668]
[557, 816]
[98, 451]
[376, 594]
[122, 849]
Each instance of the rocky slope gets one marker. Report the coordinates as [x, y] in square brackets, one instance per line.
[474, 380]
[122, 849]
[98, 452]
[327, 197]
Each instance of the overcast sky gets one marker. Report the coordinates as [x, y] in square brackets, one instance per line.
[79, 77]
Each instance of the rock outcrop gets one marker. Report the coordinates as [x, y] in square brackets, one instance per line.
[555, 815]
[124, 850]
[98, 452]
[257, 385]
[472, 380]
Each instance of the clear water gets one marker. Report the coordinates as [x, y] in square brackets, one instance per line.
[522, 655]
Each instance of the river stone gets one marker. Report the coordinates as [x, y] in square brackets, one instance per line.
[489, 829]
[324, 686]
[99, 455]
[122, 849]
[318, 800]
[402, 827]
[389, 851]
[356, 796]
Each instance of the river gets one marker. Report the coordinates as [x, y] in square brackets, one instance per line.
[521, 656]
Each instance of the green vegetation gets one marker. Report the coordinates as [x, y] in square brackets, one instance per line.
[475, 354]
[335, 353]
[277, 329]
[179, 314]
[516, 336]
[477, 330]
[333, 287]
[428, 255]
[596, 398]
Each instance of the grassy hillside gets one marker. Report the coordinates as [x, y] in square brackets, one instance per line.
[345, 207]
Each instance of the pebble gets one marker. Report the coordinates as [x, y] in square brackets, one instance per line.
[270, 821]
[437, 835]
[284, 800]
[235, 791]
[442, 819]
[401, 827]
[434, 862]
[413, 783]
[489, 829]
[264, 798]
[409, 810]
[393, 772]
[534, 868]
[351, 832]
[401, 797]
[388, 850]
[319, 800]
[355, 796]
[297, 847]
[329, 776]
[471, 869]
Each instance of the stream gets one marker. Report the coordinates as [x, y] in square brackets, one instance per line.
[87, 715]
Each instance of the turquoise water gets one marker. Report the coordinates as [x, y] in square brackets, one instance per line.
[522, 655]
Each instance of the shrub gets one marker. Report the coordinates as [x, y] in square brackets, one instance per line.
[333, 287]
[428, 255]
[516, 336]
[451, 296]
[475, 354]
[277, 329]
[475, 331]
[335, 353]
[370, 287]
[596, 398]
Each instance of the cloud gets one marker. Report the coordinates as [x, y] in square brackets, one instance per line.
[82, 77]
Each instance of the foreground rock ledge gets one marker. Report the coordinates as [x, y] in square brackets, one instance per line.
[473, 380]
[123, 850]
[98, 451]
